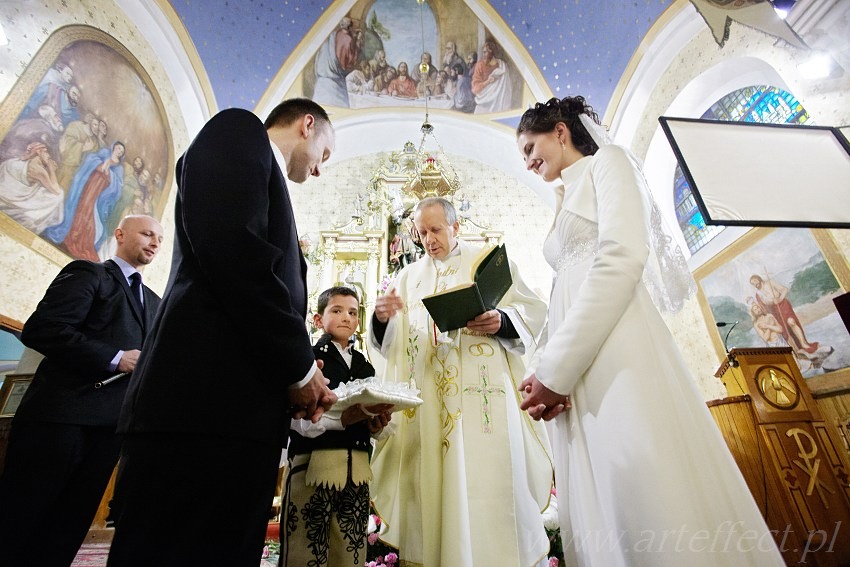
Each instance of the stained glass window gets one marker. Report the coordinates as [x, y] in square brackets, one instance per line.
[759, 103]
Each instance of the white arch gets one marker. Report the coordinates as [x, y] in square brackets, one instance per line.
[679, 34]
[656, 53]
[189, 83]
[695, 98]
[371, 131]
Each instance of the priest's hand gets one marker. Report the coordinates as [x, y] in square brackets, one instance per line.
[488, 322]
[313, 399]
[388, 305]
[541, 402]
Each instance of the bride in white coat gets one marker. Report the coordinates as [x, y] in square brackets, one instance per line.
[643, 475]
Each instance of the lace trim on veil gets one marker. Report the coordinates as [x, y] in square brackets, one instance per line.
[666, 275]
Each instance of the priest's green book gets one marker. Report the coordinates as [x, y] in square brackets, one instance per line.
[491, 278]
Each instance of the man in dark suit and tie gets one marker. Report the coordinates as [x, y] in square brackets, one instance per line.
[90, 326]
[230, 360]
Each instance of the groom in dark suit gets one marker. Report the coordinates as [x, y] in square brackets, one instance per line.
[230, 360]
[62, 448]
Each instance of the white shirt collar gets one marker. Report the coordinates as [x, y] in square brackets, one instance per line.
[278, 157]
[455, 251]
[345, 351]
[126, 268]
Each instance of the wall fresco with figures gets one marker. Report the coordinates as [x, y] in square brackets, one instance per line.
[88, 143]
[391, 53]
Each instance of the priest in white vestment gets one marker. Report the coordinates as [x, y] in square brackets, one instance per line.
[466, 475]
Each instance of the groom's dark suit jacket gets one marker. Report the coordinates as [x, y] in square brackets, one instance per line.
[85, 317]
[230, 336]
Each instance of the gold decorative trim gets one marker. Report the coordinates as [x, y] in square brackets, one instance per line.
[31, 240]
[23, 89]
[834, 258]
[780, 377]
[445, 380]
[820, 384]
[729, 400]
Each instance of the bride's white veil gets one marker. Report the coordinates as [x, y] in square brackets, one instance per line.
[666, 275]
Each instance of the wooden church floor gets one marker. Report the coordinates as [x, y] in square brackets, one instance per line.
[95, 551]
[95, 554]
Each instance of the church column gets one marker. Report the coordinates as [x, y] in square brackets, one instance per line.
[328, 275]
[373, 265]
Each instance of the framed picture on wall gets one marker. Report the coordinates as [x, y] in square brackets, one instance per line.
[778, 286]
[12, 392]
[84, 141]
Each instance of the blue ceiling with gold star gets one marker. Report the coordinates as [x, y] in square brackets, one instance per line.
[579, 46]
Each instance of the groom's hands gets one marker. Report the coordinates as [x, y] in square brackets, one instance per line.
[314, 398]
[541, 402]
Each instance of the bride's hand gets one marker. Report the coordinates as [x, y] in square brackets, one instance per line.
[540, 402]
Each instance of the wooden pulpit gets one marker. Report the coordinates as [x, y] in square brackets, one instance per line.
[791, 458]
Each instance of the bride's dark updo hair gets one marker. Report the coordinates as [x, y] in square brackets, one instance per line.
[543, 116]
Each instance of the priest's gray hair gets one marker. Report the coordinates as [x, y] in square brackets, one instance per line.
[448, 208]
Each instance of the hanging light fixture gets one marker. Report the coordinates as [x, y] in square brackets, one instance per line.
[409, 175]
[434, 174]
[782, 7]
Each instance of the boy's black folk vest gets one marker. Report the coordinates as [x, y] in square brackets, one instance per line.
[355, 436]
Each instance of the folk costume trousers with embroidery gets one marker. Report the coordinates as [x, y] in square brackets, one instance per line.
[325, 523]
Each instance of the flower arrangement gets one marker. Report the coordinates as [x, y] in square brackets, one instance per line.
[388, 560]
[553, 531]
[385, 282]
[312, 253]
[556, 553]
[383, 555]
[271, 553]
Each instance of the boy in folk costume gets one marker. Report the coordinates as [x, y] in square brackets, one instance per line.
[326, 505]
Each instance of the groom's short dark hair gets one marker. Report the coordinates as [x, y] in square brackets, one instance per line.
[292, 109]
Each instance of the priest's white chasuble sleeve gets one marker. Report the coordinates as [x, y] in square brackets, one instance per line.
[466, 475]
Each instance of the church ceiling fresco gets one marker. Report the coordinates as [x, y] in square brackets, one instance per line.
[580, 46]
[388, 53]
